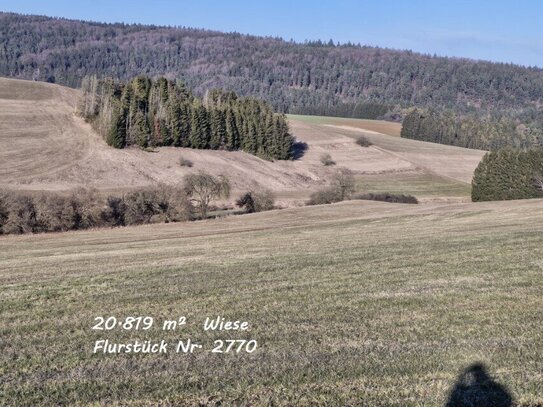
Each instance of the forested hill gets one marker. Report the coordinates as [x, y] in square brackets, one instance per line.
[315, 77]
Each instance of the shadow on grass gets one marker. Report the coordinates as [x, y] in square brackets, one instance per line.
[298, 149]
[475, 388]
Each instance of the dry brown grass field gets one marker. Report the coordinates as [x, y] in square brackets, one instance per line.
[358, 303]
[45, 146]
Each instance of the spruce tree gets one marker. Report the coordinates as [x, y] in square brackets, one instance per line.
[116, 136]
[140, 129]
[218, 129]
[231, 130]
[174, 119]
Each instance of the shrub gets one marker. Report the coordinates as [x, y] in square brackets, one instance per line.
[114, 211]
[363, 141]
[174, 204]
[324, 196]
[140, 206]
[264, 200]
[257, 201]
[184, 162]
[341, 188]
[83, 209]
[203, 188]
[246, 201]
[87, 208]
[326, 160]
[343, 182]
[386, 197]
[51, 213]
[22, 217]
[153, 205]
[4, 210]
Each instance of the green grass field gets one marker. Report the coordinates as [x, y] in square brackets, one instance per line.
[359, 303]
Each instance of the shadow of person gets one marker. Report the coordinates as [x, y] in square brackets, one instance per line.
[475, 388]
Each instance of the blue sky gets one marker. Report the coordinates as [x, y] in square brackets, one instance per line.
[498, 30]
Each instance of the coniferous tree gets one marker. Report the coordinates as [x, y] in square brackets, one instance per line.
[508, 174]
[185, 121]
[116, 136]
[164, 113]
[232, 135]
[174, 123]
[140, 129]
[218, 129]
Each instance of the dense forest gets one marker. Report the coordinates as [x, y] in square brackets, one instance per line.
[509, 174]
[162, 112]
[480, 131]
[313, 77]
[473, 104]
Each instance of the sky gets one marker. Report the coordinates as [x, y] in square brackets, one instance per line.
[495, 30]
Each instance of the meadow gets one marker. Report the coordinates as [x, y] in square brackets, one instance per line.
[44, 146]
[357, 303]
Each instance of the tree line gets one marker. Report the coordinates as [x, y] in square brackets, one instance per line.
[322, 78]
[485, 132]
[161, 112]
[25, 212]
[509, 174]
[312, 77]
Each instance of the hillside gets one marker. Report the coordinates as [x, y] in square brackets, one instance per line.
[310, 78]
[45, 146]
[354, 303]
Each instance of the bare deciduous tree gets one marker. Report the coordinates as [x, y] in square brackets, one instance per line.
[203, 188]
[343, 183]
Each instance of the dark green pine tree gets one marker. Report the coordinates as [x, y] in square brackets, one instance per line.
[194, 136]
[411, 124]
[141, 86]
[163, 86]
[218, 129]
[271, 138]
[205, 127]
[249, 141]
[116, 136]
[185, 120]
[285, 139]
[199, 127]
[174, 123]
[184, 94]
[232, 136]
[140, 129]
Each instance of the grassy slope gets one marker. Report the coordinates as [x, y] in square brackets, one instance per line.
[392, 164]
[422, 185]
[379, 126]
[44, 146]
[357, 302]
